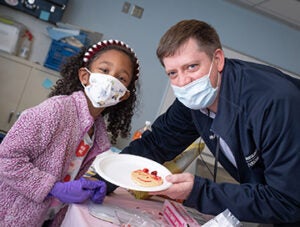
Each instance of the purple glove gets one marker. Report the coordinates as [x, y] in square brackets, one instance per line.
[78, 191]
[99, 192]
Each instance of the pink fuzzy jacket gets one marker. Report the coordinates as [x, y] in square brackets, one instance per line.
[36, 153]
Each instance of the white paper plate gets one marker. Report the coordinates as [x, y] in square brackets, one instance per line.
[117, 170]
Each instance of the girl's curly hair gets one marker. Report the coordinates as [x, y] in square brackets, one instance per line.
[118, 117]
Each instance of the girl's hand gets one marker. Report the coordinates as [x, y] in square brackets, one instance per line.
[78, 191]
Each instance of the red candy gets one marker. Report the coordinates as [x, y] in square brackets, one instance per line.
[145, 170]
[154, 173]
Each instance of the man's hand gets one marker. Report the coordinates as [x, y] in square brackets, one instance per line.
[181, 188]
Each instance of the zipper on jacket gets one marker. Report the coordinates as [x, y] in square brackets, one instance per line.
[217, 151]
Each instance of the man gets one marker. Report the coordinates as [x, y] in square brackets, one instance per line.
[248, 116]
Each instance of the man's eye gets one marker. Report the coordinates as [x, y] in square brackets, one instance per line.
[171, 74]
[193, 66]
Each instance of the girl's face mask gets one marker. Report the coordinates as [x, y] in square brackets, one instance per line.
[104, 90]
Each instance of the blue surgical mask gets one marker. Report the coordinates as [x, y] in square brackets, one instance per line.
[198, 94]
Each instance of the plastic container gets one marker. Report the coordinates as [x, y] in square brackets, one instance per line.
[138, 133]
[10, 35]
[58, 53]
[26, 43]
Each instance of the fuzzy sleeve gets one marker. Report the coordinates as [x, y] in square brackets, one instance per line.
[20, 164]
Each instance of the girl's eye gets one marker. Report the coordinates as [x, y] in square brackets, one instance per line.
[104, 71]
[122, 79]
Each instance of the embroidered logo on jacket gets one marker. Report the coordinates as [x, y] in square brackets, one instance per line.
[252, 159]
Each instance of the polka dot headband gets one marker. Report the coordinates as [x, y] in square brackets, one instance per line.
[105, 43]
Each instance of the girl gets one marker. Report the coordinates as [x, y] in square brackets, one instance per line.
[45, 154]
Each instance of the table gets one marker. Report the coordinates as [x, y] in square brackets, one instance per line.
[79, 214]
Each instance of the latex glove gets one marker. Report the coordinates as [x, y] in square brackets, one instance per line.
[109, 186]
[182, 185]
[76, 191]
[99, 192]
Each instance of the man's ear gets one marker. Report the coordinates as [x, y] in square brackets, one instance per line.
[219, 55]
[126, 96]
[83, 76]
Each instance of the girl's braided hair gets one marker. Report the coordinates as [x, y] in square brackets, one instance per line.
[118, 117]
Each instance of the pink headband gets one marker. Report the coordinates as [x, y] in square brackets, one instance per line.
[98, 46]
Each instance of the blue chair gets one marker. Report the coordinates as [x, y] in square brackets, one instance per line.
[1, 136]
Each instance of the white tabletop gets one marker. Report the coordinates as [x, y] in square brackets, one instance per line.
[79, 214]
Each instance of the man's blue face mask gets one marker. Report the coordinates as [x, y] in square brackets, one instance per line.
[198, 94]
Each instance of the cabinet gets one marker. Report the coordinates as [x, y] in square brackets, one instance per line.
[23, 84]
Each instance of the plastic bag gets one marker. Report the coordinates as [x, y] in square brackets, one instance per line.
[122, 217]
[224, 219]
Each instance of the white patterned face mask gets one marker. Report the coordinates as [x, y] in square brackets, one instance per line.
[104, 90]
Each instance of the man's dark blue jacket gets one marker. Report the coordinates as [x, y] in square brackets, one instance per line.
[258, 117]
